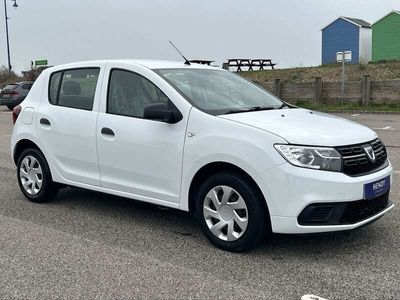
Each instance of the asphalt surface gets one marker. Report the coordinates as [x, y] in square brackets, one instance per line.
[88, 245]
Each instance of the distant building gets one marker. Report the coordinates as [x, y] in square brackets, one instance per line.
[386, 37]
[347, 34]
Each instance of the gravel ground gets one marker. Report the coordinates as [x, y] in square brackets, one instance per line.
[379, 71]
[89, 245]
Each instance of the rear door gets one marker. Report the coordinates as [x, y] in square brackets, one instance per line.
[66, 122]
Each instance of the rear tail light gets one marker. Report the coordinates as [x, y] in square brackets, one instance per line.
[16, 112]
[11, 94]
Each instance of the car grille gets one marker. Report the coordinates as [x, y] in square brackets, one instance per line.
[356, 161]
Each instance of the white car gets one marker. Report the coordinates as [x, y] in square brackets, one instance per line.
[198, 139]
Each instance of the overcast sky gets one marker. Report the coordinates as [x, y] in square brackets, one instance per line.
[288, 31]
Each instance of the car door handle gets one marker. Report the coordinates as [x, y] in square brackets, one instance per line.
[107, 131]
[44, 121]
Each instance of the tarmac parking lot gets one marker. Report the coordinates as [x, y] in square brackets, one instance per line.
[89, 245]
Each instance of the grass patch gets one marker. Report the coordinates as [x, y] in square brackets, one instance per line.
[385, 107]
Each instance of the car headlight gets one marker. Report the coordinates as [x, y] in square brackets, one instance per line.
[319, 158]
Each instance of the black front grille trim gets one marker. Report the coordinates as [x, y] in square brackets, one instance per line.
[342, 213]
[356, 162]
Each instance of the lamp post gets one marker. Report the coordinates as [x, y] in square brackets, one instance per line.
[15, 5]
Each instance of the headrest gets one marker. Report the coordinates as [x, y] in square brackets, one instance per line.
[71, 88]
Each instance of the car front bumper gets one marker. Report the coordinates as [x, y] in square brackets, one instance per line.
[288, 190]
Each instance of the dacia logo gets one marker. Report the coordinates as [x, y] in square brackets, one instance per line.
[370, 153]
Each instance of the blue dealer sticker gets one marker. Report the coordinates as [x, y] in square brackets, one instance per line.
[376, 188]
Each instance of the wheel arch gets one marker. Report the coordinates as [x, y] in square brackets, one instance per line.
[23, 144]
[216, 167]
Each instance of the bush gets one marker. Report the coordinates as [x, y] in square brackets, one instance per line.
[362, 67]
[302, 103]
[34, 73]
[6, 76]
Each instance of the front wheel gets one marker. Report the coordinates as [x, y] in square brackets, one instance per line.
[34, 177]
[10, 107]
[231, 212]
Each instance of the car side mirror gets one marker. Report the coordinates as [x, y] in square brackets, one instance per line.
[161, 112]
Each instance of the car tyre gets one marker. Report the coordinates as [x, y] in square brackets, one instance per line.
[34, 177]
[231, 212]
[10, 107]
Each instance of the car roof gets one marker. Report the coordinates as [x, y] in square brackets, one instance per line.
[148, 63]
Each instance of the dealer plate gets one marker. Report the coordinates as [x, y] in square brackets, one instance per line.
[376, 188]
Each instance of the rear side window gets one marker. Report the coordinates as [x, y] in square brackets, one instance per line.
[74, 88]
[26, 87]
[53, 87]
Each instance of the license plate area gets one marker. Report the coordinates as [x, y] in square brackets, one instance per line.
[376, 188]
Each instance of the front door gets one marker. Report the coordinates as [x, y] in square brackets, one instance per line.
[138, 156]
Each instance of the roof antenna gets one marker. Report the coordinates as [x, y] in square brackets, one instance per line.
[186, 60]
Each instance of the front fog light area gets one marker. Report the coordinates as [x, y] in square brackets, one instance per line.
[319, 158]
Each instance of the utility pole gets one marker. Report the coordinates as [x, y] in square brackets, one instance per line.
[343, 63]
[8, 40]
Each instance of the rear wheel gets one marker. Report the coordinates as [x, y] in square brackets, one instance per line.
[231, 212]
[34, 177]
[10, 107]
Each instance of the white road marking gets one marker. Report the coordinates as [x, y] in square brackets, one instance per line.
[312, 297]
[384, 128]
[355, 115]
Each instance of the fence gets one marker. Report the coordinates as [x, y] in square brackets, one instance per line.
[363, 92]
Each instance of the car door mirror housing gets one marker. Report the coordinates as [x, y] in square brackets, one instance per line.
[161, 112]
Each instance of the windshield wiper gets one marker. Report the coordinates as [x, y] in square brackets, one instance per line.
[254, 108]
[284, 105]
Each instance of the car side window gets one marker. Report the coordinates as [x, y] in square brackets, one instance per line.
[129, 93]
[53, 87]
[26, 87]
[74, 88]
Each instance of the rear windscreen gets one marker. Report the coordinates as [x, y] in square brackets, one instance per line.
[11, 87]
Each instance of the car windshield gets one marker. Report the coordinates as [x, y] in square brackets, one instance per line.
[219, 91]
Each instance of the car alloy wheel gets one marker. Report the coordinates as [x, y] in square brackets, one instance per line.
[225, 213]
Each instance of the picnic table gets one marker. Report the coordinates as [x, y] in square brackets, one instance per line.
[255, 63]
